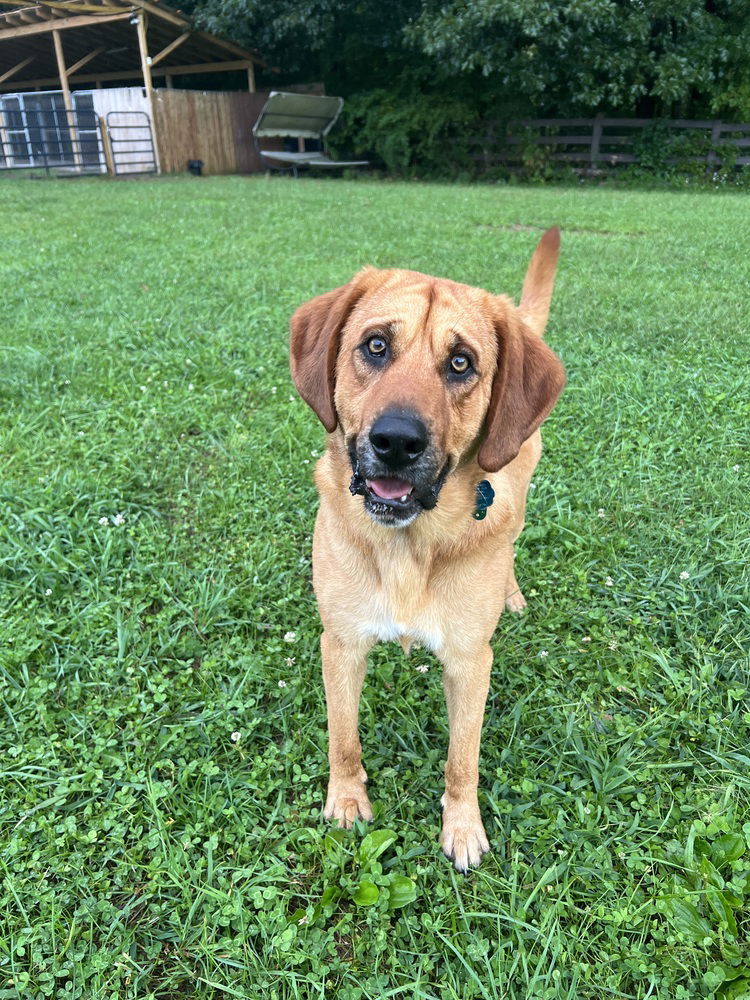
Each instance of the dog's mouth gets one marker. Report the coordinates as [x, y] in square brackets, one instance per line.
[394, 500]
[391, 490]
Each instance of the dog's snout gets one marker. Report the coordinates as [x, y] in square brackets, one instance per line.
[398, 439]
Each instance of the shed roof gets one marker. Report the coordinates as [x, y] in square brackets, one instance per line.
[100, 43]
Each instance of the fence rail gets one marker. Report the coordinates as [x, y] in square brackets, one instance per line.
[601, 142]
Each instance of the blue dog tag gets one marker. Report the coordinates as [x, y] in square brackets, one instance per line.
[484, 498]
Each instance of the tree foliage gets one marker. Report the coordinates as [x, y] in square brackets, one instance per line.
[665, 57]
[352, 46]
[576, 56]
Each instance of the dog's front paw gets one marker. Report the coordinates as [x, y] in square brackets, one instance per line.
[346, 801]
[463, 838]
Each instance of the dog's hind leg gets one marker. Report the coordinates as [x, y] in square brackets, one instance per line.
[514, 599]
[523, 467]
[344, 669]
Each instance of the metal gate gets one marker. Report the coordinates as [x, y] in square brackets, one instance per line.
[36, 131]
[132, 142]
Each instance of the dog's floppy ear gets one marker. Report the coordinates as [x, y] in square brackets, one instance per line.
[315, 333]
[529, 376]
[528, 380]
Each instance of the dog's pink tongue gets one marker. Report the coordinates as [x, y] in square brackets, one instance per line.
[390, 489]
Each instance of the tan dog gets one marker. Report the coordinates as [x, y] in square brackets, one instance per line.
[426, 388]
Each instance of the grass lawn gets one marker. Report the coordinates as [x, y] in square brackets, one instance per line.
[162, 734]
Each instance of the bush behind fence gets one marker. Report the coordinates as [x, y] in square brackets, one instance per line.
[438, 135]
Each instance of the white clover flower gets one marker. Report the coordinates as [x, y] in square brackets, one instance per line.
[735, 468]
[422, 668]
[47, 592]
[282, 684]
[532, 486]
[684, 575]
[586, 638]
[143, 388]
[601, 512]
[118, 519]
[612, 645]
[103, 520]
[190, 386]
[290, 636]
[235, 736]
[290, 661]
[273, 389]
[609, 582]
[544, 653]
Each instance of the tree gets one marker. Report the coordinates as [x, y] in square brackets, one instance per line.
[352, 46]
[581, 56]
[661, 57]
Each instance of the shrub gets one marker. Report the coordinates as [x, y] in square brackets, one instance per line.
[418, 135]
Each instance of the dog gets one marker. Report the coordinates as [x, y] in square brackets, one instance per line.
[432, 393]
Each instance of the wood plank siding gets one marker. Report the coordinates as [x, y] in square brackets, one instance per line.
[213, 126]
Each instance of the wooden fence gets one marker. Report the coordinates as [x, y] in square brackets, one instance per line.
[212, 126]
[600, 143]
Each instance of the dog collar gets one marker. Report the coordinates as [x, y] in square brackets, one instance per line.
[484, 499]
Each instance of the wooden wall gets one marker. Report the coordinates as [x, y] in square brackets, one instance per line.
[132, 144]
[213, 126]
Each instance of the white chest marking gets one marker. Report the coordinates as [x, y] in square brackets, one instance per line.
[423, 629]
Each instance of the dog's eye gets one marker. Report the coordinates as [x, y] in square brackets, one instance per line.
[377, 347]
[460, 364]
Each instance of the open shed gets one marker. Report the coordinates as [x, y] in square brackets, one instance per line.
[78, 90]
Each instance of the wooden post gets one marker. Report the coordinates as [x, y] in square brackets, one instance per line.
[5, 149]
[69, 118]
[596, 137]
[251, 78]
[106, 146]
[169, 81]
[147, 82]
[712, 158]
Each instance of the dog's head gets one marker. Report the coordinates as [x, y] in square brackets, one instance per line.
[421, 374]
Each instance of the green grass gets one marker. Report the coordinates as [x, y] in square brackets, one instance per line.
[143, 373]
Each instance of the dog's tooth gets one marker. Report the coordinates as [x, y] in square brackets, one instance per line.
[404, 498]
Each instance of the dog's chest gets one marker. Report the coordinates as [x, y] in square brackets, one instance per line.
[385, 626]
[403, 604]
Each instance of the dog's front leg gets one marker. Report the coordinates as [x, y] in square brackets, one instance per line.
[466, 681]
[344, 669]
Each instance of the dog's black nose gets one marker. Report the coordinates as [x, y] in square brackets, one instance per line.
[398, 439]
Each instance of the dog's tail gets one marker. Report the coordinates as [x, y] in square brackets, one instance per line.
[539, 282]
